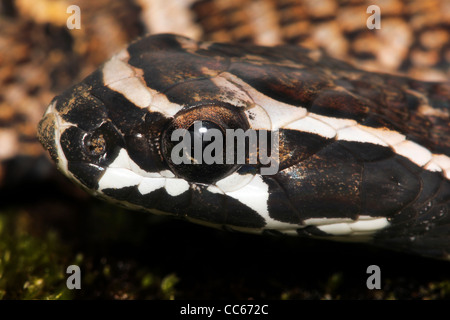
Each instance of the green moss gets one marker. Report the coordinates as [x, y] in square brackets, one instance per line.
[33, 266]
[168, 286]
[30, 267]
[132, 255]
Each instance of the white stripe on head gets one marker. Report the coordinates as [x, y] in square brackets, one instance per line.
[358, 134]
[279, 113]
[120, 77]
[311, 125]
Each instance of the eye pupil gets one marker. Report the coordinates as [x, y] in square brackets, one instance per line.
[199, 129]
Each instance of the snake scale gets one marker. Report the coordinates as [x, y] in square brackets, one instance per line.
[364, 156]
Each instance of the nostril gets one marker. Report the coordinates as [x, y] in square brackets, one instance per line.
[94, 144]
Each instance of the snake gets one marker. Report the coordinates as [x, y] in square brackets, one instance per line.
[362, 156]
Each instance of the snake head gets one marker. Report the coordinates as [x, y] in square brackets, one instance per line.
[113, 134]
[346, 165]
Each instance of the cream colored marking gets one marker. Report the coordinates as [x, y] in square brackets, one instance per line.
[118, 178]
[252, 192]
[443, 162]
[254, 195]
[214, 189]
[369, 225]
[311, 125]
[175, 187]
[148, 185]
[133, 90]
[336, 229]
[355, 228]
[234, 182]
[167, 174]
[351, 131]
[432, 166]
[258, 117]
[121, 78]
[279, 225]
[357, 134]
[122, 160]
[390, 137]
[58, 130]
[124, 172]
[365, 218]
[279, 113]
[161, 104]
[296, 118]
[120, 175]
[335, 123]
[51, 108]
[116, 70]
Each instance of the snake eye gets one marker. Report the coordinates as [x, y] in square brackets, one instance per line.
[194, 143]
